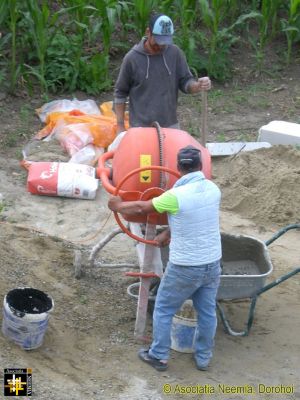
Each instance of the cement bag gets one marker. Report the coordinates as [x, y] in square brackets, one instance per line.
[62, 179]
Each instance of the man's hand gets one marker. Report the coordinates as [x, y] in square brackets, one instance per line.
[200, 85]
[114, 203]
[204, 83]
[163, 238]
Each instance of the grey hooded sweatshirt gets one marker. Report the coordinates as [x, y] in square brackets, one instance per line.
[152, 83]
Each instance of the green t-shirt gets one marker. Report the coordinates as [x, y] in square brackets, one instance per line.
[166, 202]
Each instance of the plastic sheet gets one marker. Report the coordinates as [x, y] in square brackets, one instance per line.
[85, 106]
[103, 129]
[87, 155]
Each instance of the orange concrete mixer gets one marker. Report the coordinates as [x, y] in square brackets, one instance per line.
[144, 165]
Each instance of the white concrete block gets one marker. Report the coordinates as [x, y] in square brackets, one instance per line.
[280, 132]
[230, 148]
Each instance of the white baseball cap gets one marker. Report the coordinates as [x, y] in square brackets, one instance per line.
[161, 27]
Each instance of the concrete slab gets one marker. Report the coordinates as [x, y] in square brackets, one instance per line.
[230, 148]
[280, 132]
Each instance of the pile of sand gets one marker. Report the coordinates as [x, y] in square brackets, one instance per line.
[262, 185]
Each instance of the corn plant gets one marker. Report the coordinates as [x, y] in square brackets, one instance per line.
[96, 68]
[43, 26]
[184, 13]
[217, 39]
[13, 13]
[141, 13]
[267, 17]
[291, 27]
[79, 16]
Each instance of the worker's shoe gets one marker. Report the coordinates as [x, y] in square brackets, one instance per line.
[201, 366]
[154, 362]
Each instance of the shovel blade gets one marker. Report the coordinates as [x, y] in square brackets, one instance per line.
[231, 148]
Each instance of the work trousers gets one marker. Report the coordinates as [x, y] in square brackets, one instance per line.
[179, 283]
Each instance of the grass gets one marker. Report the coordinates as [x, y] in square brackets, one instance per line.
[221, 137]
[16, 137]
[261, 103]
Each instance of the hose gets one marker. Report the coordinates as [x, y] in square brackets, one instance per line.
[162, 176]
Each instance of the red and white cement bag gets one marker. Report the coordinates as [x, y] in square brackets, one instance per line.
[62, 179]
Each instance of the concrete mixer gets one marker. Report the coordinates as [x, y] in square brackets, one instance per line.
[143, 166]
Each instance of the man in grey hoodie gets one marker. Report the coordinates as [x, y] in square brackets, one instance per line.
[151, 74]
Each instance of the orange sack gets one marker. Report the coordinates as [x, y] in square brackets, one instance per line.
[102, 128]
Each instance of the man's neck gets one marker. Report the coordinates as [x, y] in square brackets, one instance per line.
[152, 50]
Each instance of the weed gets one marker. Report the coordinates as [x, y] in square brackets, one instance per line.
[19, 154]
[25, 113]
[83, 299]
[261, 103]
[221, 137]
[194, 130]
[244, 137]
[14, 138]
[240, 98]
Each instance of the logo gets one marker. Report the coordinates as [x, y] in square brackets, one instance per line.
[17, 382]
[166, 27]
[48, 174]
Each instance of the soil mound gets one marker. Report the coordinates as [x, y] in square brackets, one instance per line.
[263, 185]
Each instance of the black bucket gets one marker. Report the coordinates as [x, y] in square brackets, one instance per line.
[25, 316]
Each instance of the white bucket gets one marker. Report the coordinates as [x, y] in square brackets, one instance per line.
[25, 316]
[183, 330]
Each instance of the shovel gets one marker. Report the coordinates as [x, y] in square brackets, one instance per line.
[228, 148]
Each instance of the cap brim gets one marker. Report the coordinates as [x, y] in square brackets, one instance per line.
[163, 39]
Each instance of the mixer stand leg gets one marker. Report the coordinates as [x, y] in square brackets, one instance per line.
[150, 261]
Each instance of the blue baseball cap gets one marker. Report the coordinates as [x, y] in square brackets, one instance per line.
[162, 29]
[189, 157]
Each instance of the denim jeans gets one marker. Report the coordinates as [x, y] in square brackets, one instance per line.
[178, 284]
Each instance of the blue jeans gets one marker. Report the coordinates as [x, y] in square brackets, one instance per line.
[178, 284]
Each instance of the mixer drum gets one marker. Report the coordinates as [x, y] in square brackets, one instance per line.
[141, 147]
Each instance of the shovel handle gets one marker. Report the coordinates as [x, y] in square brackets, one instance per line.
[204, 118]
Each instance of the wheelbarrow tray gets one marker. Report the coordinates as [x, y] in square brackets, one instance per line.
[245, 266]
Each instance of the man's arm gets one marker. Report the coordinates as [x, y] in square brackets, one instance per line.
[121, 92]
[133, 208]
[120, 113]
[163, 238]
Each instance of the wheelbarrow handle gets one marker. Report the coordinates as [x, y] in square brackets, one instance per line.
[281, 232]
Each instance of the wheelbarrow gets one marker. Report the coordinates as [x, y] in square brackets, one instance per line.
[246, 265]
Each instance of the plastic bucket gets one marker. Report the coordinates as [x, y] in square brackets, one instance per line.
[183, 330]
[25, 316]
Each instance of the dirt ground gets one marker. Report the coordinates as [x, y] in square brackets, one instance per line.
[89, 351]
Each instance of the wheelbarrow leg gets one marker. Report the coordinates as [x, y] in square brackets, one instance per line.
[227, 325]
[277, 282]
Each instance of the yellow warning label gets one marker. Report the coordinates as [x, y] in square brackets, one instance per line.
[145, 160]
